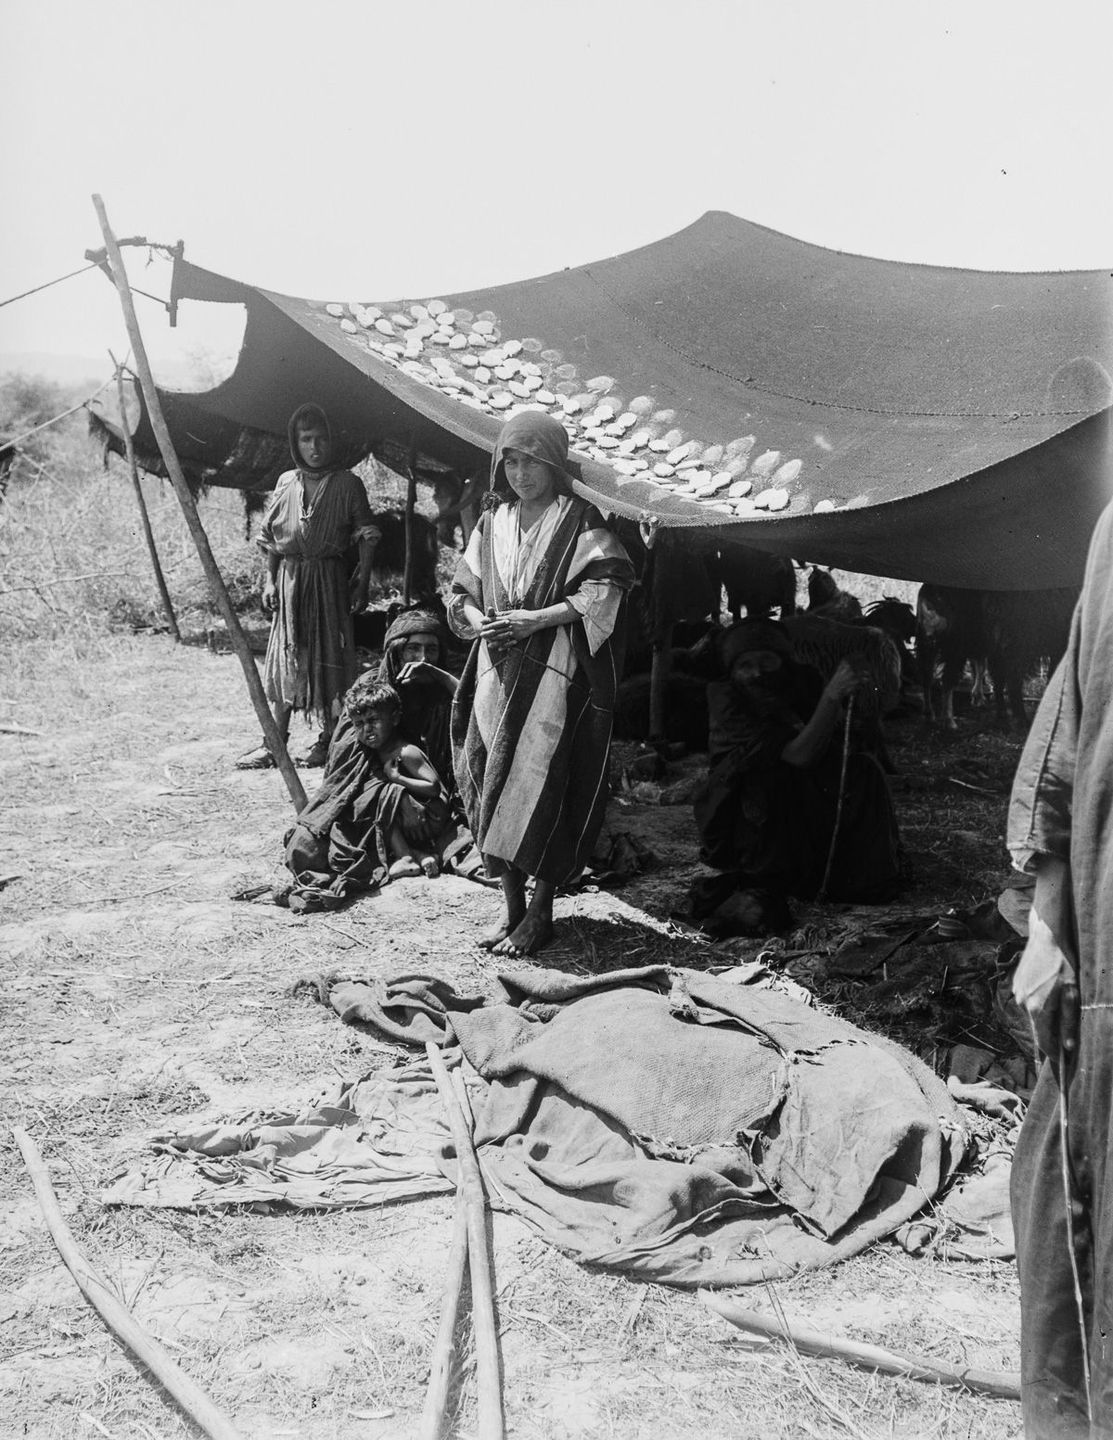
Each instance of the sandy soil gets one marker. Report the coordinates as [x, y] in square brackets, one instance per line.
[138, 993]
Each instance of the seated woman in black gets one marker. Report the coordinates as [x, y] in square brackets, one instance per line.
[414, 653]
[768, 811]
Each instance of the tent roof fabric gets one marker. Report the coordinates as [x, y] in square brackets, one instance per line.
[950, 425]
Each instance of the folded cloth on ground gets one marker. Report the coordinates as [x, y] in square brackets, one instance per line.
[688, 1129]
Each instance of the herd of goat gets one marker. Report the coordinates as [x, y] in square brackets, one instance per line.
[985, 642]
[979, 642]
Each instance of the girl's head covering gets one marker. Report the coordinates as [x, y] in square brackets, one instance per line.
[410, 622]
[303, 417]
[750, 635]
[535, 433]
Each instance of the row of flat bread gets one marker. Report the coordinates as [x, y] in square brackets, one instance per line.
[464, 355]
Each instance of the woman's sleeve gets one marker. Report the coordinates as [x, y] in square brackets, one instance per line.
[599, 576]
[1043, 790]
[597, 602]
[359, 510]
[266, 539]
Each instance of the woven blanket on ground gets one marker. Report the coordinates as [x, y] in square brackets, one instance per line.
[687, 1129]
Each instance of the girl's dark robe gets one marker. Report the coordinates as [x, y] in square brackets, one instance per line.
[339, 842]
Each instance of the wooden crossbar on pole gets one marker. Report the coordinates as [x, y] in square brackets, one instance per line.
[275, 741]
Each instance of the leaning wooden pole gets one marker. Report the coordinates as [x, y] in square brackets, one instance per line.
[129, 450]
[275, 742]
[488, 1376]
[117, 1316]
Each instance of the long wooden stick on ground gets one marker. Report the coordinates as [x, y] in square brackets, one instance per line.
[116, 1316]
[1005, 1384]
[470, 1181]
[133, 468]
[275, 742]
[440, 1366]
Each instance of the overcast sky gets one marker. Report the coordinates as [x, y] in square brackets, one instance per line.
[360, 150]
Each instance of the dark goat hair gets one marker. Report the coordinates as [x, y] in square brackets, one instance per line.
[1009, 632]
[825, 598]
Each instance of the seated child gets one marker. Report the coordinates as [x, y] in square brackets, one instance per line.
[381, 811]
[375, 715]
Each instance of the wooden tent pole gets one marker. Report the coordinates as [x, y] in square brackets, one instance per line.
[411, 501]
[440, 1366]
[1005, 1384]
[275, 742]
[117, 1316]
[660, 668]
[129, 448]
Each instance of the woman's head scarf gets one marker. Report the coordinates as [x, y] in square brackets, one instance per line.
[401, 628]
[304, 416]
[534, 433]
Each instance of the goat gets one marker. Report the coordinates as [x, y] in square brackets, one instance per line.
[825, 598]
[1007, 633]
[756, 581]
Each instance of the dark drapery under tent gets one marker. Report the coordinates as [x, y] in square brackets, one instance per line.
[951, 425]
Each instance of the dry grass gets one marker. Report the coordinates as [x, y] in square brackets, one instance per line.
[75, 563]
[137, 993]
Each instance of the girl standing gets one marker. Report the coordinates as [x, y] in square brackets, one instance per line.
[539, 592]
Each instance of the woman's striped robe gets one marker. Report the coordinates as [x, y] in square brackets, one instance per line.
[531, 725]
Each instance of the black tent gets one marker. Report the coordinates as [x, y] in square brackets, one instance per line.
[905, 420]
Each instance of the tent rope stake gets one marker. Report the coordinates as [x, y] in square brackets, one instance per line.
[274, 740]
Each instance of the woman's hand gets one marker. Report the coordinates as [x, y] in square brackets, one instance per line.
[357, 596]
[1045, 986]
[270, 596]
[1046, 979]
[851, 674]
[508, 626]
[417, 670]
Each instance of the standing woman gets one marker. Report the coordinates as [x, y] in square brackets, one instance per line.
[539, 592]
[317, 514]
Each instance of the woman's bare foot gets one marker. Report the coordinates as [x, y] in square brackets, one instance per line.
[514, 911]
[533, 934]
[404, 867]
[535, 929]
[496, 936]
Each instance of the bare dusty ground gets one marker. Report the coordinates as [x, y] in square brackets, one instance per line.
[138, 993]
